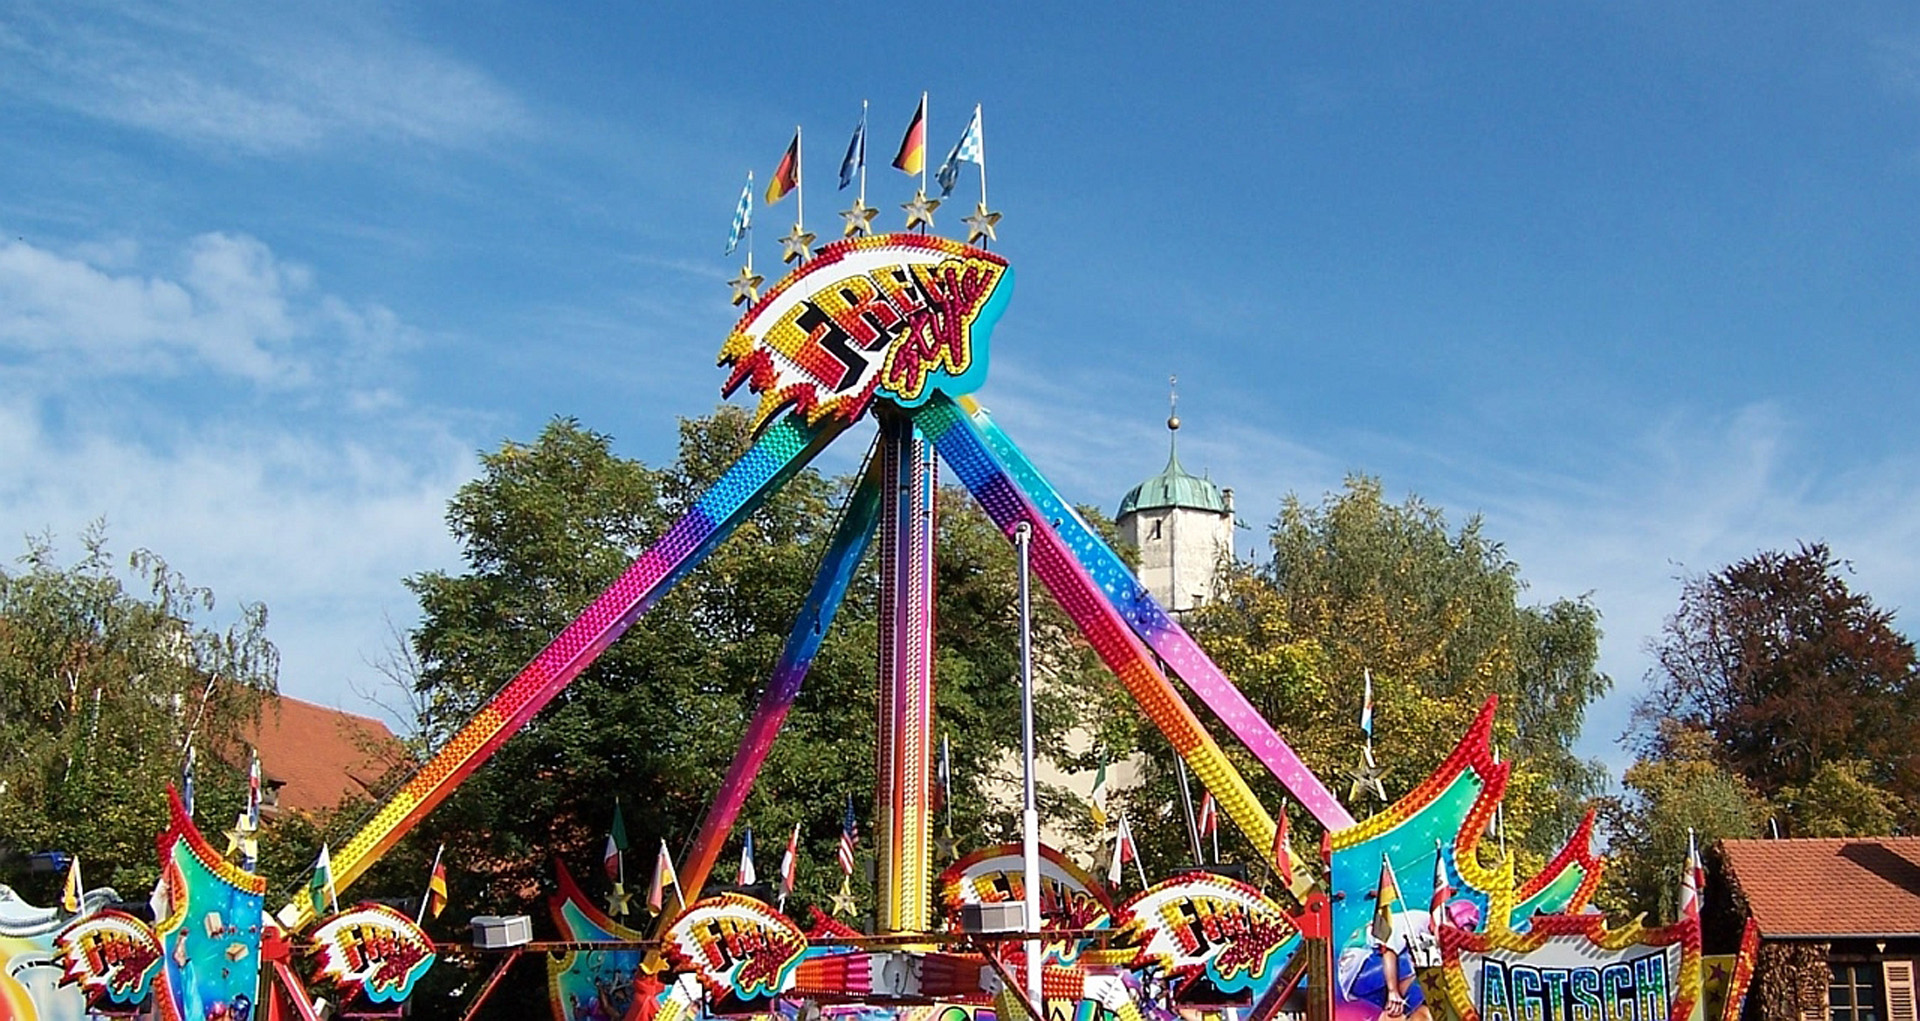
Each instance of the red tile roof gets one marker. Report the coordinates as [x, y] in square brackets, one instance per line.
[1829, 888]
[320, 756]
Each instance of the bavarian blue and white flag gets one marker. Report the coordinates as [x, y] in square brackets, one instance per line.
[970, 149]
[742, 215]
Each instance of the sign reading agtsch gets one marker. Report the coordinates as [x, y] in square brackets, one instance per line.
[896, 316]
[1569, 978]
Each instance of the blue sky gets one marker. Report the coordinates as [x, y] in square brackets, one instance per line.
[1637, 284]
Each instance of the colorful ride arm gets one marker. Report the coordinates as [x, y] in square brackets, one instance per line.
[830, 583]
[1158, 629]
[966, 453]
[781, 451]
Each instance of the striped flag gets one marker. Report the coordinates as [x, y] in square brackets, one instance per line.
[1097, 801]
[1124, 851]
[786, 176]
[1283, 847]
[1209, 815]
[742, 215]
[320, 889]
[746, 876]
[186, 782]
[1692, 880]
[849, 838]
[970, 149]
[612, 859]
[1442, 887]
[1366, 706]
[856, 158]
[663, 877]
[253, 788]
[437, 885]
[790, 863]
[912, 157]
[1384, 895]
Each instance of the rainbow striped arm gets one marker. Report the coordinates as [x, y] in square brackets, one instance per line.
[966, 453]
[849, 544]
[1159, 630]
[781, 451]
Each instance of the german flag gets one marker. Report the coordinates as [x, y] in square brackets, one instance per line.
[913, 148]
[786, 176]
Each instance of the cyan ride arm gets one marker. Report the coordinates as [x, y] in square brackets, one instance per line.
[1163, 634]
[964, 451]
[781, 451]
[837, 567]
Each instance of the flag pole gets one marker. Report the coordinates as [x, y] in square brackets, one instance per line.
[420, 917]
[748, 229]
[1186, 803]
[926, 132]
[983, 154]
[799, 185]
[1030, 813]
[863, 152]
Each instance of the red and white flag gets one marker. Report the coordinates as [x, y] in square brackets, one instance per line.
[1691, 881]
[746, 876]
[1209, 815]
[1442, 887]
[663, 877]
[790, 863]
[1124, 851]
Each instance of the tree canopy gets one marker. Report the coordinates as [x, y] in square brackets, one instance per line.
[1802, 687]
[1358, 584]
[100, 689]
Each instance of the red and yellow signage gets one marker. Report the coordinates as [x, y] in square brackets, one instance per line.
[112, 955]
[896, 316]
[375, 949]
[1203, 925]
[737, 946]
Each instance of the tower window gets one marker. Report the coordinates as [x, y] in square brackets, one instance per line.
[1155, 533]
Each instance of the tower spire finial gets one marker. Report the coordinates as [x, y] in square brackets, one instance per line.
[1173, 403]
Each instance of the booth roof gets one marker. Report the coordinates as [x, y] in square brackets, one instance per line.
[1829, 888]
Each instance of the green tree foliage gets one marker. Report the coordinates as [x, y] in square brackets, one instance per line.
[1664, 798]
[100, 688]
[1357, 583]
[1803, 685]
[656, 719]
[1840, 801]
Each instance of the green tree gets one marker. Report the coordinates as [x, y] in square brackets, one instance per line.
[656, 719]
[100, 689]
[1840, 801]
[1790, 672]
[1356, 583]
[1684, 791]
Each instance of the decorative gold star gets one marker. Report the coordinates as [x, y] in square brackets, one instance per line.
[945, 848]
[859, 218]
[797, 245]
[920, 210]
[980, 224]
[1366, 777]
[843, 902]
[241, 839]
[746, 286]
[619, 901]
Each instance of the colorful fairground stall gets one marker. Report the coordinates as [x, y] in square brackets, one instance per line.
[1837, 920]
[885, 337]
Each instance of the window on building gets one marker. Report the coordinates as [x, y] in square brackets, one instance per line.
[1854, 993]
[1155, 533]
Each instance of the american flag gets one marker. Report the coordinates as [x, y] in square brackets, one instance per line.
[849, 838]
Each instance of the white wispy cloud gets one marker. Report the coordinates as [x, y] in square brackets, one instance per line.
[251, 79]
[1616, 519]
[230, 306]
[216, 405]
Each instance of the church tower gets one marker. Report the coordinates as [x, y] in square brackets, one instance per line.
[1182, 525]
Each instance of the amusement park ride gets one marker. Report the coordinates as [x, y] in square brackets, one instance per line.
[896, 327]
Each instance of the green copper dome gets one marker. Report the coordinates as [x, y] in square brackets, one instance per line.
[1174, 488]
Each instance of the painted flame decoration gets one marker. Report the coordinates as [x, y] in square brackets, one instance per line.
[1070, 898]
[737, 946]
[896, 316]
[1201, 923]
[112, 954]
[374, 948]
